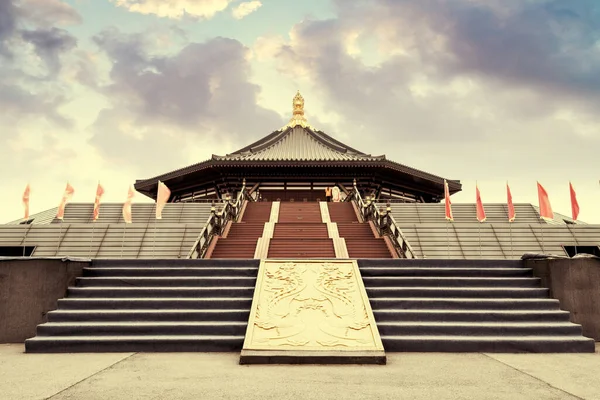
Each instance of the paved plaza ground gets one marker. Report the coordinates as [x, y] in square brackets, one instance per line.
[218, 376]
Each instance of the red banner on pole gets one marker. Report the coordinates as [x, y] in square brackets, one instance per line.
[26, 201]
[511, 208]
[449, 216]
[574, 203]
[161, 198]
[544, 201]
[99, 193]
[127, 206]
[63, 203]
[480, 209]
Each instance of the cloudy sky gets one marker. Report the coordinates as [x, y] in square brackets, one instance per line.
[476, 90]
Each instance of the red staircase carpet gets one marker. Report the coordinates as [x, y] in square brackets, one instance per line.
[300, 233]
[360, 239]
[242, 237]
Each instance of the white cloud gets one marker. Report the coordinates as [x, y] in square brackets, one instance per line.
[246, 8]
[175, 9]
[48, 12]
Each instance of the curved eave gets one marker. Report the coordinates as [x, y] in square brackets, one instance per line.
[148, 186]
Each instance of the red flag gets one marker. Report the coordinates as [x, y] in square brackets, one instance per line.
[26, 201]
[63, 203]
[161, 199]
[480, 209]
[127, 206]
[449, 216]
[99, 193]
[574, 203]
[511, 207]
[545, 208]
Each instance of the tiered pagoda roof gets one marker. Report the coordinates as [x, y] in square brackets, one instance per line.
[299, 150]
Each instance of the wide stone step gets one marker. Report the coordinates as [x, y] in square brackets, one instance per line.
[203, 303]
[423, 303]
[465, 282]
[489, 344]
[105, 344]
[390, 315]
[457, 292]
[169, 272]
[449, 272]
[478, 328]
[157, 292]
[137, 328]
[240, 315]
[175, 263]
[439, 263]
[180, 281]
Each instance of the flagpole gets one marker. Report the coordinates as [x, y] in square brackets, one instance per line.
[511, 241]
[542, 231]
[154, 236]
[479, 239]
[25, 240]
[59, 235]
[448, 237]
[123, 241]
[92, 239]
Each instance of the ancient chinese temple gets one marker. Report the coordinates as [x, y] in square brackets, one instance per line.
[248, 256]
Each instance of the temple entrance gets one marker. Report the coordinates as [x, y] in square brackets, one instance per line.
[293, 195]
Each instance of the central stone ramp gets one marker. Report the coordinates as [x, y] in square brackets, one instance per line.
[313, 312]
[467, 306]
[152, 306]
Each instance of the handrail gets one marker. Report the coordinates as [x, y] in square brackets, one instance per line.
[385, 223]
[217, 222]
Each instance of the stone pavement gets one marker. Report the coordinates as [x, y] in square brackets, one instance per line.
[218, 376]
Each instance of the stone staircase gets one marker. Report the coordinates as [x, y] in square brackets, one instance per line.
[360, 239]
[466, 306]
[242, 237]
[300, 233]
[152, 305]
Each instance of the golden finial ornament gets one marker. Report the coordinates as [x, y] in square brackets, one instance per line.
[298, 117]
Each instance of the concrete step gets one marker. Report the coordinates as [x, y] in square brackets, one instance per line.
[190, 315]
[422, 328]
[177, 303]
[146, 343]
[174, 263]
[440, 263]
[436, 303]
[160, 292]
[487, 315]
[163, 281]
[455, 282]
[169, 272]
[457, 292]
[489, 344]
[446, 272]
[138, 328]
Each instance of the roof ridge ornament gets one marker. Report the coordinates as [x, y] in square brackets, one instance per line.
[298, 117]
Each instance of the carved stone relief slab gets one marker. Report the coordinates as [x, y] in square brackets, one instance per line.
[311, 305]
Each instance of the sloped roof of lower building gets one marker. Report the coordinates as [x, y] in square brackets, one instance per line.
[418, 213]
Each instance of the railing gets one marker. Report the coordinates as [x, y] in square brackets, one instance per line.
[217, 222]
[384, 222]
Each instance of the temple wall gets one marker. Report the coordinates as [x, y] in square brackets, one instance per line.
[575, 283]
[29, 289]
